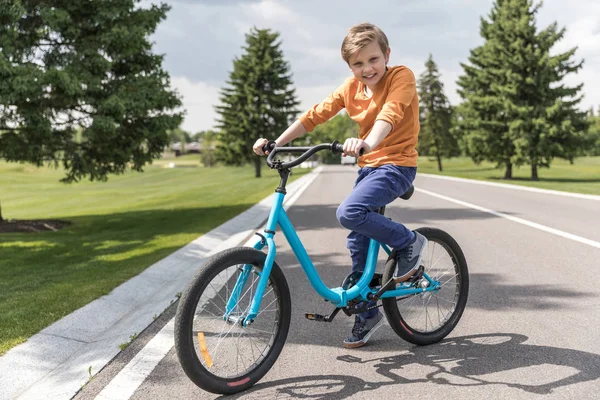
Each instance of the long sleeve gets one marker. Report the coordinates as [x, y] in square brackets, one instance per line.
[322, 112]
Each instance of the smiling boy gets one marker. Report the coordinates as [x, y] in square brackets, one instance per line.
[383, 101]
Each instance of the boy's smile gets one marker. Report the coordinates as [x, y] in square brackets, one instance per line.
[368, 64]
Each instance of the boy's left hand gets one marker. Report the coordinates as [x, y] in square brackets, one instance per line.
[352, 147]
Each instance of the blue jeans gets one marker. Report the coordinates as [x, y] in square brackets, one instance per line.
[374, 188]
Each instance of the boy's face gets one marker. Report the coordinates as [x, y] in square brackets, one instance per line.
[368, 64]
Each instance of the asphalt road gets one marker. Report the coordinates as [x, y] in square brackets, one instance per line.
[530, 329]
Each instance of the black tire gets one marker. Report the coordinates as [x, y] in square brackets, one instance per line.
[399, 311]
[197, 325]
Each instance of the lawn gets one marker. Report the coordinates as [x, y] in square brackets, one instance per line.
[118, 229]
[581, 177]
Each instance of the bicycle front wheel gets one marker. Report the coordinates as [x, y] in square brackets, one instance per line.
[428, 317]
[215, 350]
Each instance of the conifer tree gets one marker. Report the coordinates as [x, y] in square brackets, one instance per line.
[80, 86]
[591, 142]
[258, 101]
[435, 137]
[517, 111]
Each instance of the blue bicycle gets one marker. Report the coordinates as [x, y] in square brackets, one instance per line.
[233, 318]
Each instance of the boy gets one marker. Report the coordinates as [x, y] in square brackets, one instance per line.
[384, 102]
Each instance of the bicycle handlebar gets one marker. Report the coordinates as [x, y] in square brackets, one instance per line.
[335, 147]
[271, 146]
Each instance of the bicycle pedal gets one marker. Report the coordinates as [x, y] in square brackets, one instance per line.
[417, 275]
[315, 317]
[413, 279]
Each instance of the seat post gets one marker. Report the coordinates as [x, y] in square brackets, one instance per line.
[381, 210]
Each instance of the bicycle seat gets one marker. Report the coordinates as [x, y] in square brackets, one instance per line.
[408, 193]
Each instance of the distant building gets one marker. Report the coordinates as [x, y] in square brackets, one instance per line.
[189, 148]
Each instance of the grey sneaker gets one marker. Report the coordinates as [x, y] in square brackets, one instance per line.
[363, 330]
[409, 258]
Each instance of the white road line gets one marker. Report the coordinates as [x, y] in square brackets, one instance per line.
[535, 225]
[137, 370]
[131, 377]
[514, 187]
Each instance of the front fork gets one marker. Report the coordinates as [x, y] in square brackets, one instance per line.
[260, 290]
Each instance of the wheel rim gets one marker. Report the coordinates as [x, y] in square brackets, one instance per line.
[226, 349]
[430, 311]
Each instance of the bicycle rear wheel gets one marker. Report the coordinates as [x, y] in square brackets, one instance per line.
[427, 318]
[216, 352]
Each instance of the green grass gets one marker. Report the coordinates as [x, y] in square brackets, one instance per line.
[119, 228]
[581, 177]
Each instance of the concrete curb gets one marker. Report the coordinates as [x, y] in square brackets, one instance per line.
[55, 363]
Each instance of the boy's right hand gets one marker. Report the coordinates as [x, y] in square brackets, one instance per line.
[258, 147]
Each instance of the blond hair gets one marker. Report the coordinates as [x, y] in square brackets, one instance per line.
[360, 36]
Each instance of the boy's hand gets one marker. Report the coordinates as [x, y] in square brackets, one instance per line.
[353, 146]
[258, 145]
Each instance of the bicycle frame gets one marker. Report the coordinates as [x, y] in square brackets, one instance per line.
[337, 296]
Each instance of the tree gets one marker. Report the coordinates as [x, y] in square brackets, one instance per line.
[258, 101]
[435, 137]
[179, 135]
[517, 110]
[206, 139]
[591, 142]
[80, 86]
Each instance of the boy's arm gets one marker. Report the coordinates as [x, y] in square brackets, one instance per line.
[322, 112]
[318, 114]
[294, 131]
[379, 131]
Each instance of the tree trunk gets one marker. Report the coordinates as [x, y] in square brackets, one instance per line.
[508, 172]
[257, 162]
[534, 172]
[437, 152]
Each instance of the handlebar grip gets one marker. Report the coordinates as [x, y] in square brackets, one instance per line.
[338, 148]
[270, 145]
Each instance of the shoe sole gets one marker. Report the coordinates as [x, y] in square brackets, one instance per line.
[410, 273]
[354, 345]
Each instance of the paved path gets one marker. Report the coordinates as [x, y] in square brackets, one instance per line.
[530, 329]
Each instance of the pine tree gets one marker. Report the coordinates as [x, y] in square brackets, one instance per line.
[259, 100]
[435, 137]
[517, 111]
[591, 142]
[80, 86]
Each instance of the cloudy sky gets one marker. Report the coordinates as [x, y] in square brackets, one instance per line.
[200, 38]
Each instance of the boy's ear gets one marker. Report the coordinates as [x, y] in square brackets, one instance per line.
[387, 55]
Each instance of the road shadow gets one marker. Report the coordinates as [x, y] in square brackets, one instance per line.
[489, 292]
[467, 361]
[323, 216]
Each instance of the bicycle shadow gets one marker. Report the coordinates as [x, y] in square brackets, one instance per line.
[474, 360]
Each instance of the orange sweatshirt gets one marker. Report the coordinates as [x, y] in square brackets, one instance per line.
[394, 100]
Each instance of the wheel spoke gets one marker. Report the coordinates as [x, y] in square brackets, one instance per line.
[426, 313]
[223, 347]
